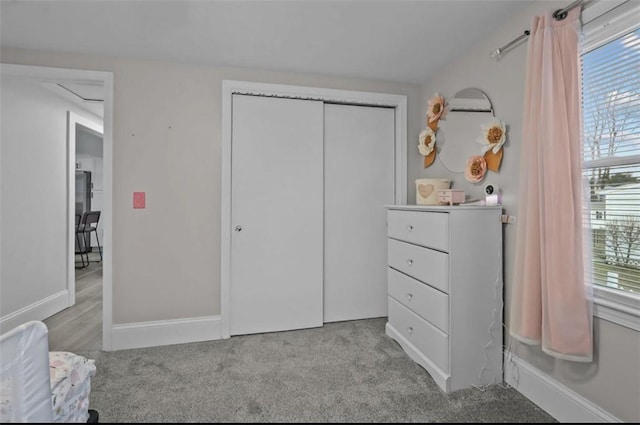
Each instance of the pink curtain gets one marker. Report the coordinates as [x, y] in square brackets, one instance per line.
[551, 302]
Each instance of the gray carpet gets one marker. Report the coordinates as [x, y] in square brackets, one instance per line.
[342, 372]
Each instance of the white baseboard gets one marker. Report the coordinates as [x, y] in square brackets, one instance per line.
[165, 332]
[39, 310]
[556, 399]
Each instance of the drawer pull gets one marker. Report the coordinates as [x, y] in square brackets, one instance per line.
[409, 330]
[409, 297]
[409, 228]
[410, 262]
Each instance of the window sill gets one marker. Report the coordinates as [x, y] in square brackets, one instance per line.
[617, 307]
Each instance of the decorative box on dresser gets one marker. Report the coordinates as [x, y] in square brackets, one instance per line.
[445, 290]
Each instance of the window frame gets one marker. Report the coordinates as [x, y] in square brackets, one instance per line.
[601, 27]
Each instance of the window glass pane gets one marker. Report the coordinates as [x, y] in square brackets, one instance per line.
[611, 128]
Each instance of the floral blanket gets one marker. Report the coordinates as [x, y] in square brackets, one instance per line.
[70, 387]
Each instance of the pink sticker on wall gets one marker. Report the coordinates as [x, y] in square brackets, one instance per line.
[138, 199]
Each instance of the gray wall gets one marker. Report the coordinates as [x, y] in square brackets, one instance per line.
[167, 142]
[612, 381]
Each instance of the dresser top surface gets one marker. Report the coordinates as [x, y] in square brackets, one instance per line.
[442, 208]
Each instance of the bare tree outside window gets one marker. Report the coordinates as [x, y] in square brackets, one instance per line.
[623, 240]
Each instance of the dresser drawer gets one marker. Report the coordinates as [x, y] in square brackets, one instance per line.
[430, 229]
[428, 303]
[424, 264]
[429, 340]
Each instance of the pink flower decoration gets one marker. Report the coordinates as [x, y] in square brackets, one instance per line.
[475, 169]
[436, 109]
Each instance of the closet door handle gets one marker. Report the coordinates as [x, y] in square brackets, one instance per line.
[409, 297]
[410, 262]
[409, 228]
[410, 330]
[238, 229]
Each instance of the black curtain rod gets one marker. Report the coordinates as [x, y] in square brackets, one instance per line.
[558, 15]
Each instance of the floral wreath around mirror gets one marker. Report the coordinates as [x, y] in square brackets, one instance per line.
[494, 135]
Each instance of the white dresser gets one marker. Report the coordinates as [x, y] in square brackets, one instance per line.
[445, 290]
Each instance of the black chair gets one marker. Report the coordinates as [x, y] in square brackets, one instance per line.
[80, 245]
[88, 224]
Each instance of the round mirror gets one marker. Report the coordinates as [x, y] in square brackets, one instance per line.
[458, 133]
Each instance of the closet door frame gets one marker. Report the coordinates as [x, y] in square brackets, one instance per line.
[231, 87]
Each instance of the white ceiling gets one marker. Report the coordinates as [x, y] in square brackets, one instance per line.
[392, 40]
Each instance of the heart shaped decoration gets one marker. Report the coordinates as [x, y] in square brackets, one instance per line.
[425, 189]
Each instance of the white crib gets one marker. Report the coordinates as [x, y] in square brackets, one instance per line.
[37, 385]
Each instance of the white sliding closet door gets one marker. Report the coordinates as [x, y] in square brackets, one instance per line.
[359, 180]
[277, 213]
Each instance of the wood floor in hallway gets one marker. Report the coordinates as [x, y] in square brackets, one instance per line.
[79, 327]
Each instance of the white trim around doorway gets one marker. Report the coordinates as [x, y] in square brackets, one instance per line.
[229, 88]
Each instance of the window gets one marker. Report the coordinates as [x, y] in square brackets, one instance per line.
[611, 149]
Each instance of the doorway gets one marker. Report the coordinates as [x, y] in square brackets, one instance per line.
[78, 328]
[54, 282]
[85, 140]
